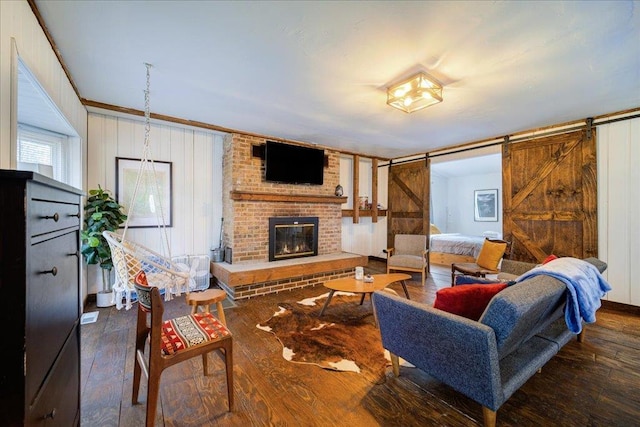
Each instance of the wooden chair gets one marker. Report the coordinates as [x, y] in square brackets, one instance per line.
[493, 250]
[409, 253]
[204, 299]
[201, 334]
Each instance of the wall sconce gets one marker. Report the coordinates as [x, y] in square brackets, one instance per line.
[415, 93]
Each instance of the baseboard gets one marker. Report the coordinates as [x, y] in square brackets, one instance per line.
[376, 258]
[618, 306]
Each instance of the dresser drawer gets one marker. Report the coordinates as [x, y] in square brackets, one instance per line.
[58, 401]
[47, 216]
[52, 303]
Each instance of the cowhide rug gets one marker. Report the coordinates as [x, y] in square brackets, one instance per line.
[345, 338]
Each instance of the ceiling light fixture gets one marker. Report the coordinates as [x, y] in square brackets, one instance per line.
[415, 93]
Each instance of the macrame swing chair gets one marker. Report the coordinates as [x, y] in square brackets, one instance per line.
[129, 257]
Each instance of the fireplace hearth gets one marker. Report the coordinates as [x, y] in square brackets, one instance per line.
[292, 237]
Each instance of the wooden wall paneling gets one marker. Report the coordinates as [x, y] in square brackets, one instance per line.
[191, 155]
[108, 151]
[19, 22]
[616, 228]
[202, 153]
[619, 214]
[633, 218]
[182, 193]
[217, 190]
[374, 190]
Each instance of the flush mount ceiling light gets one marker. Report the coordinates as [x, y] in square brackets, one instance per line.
[415, 93]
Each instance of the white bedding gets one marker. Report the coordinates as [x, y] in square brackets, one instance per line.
[456, 243]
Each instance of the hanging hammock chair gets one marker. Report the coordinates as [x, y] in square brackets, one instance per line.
[129, 258]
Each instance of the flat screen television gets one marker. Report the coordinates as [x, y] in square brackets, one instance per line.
[293, 164]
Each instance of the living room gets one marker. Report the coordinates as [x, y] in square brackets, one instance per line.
[199, 189]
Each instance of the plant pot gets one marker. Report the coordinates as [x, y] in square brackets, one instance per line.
[104, 299]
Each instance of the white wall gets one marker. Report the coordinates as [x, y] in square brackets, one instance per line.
[366, 237]
[460, 203]
[453, 203]
[439, 202]
[619, 208]
[196, 157]
[18, 23]
[20, 34]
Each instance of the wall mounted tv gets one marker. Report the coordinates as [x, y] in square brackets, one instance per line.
[293, 164]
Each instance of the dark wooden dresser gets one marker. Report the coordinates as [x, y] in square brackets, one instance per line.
[39, 301]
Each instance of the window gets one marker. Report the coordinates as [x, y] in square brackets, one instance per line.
[42, 151]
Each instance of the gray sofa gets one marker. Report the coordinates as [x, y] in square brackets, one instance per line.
[486, 360]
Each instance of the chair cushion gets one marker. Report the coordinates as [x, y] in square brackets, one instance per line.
[491, 254]
[468, 301]
[406, 261]
[183, 332]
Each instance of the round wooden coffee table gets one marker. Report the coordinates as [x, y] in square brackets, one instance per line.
[350, 284]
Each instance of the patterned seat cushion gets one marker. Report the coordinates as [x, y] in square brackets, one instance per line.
[189, 331]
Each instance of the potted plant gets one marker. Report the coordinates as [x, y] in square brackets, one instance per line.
[101, 213]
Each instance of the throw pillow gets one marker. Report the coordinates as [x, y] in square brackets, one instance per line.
[549, 258]
[491, 254]
[467, 300]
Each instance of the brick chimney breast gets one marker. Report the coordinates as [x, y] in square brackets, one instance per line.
[246, 221]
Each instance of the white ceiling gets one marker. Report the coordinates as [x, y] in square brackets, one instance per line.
[317, 71]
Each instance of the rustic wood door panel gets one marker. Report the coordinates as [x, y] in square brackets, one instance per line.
[408, 210]
[549, 196]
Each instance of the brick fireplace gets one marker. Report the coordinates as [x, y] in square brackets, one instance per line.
[248, 203]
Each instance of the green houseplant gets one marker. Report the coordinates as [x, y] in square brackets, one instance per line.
[101, 213]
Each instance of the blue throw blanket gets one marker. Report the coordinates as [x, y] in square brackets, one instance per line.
[585, 288]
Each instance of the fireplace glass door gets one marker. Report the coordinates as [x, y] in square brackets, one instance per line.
[292, 237]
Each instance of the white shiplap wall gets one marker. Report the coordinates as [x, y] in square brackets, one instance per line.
[19, 24]
[21, 35]
[366, 237]
[196, 157]
[619, 208]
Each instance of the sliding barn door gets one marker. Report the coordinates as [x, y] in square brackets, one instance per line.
[549, 196]
[408, 210]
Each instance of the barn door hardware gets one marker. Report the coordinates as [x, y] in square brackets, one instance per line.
[589, 127]
[506, 145]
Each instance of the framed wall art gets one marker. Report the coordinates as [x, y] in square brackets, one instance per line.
[153, 198]
[485, 204]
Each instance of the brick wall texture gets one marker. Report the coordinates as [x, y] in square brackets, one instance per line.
[246, 223]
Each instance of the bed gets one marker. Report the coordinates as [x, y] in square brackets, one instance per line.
[447, 248]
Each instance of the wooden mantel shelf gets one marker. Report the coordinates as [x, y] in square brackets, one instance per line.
[270, 197]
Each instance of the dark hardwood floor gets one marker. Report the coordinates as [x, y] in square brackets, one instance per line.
[596, 383]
